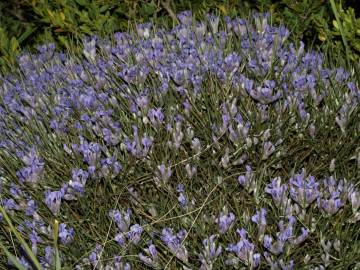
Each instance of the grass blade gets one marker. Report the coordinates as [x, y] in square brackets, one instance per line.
[12, 258]
[342, 32]
[57, 254]
[22, 241]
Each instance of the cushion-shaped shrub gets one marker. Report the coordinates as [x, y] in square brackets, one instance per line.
[213, 144]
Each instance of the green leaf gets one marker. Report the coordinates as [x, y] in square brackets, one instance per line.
[86, 29]
[84, 17]
[82, 2]
[103, 8]
[26, 34]
[64, 41]
[147, 9]
[14, 45]
[4, 40]
[122, 9]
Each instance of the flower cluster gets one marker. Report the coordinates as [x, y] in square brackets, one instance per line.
[174, 243]
[199, 104]
[132, 233]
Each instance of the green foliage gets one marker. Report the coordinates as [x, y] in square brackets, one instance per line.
[9, 47]
[300, 16]
[351, 30]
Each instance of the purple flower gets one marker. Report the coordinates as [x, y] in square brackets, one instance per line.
[185, 17]
[330, 200]
[23, 262]
[31, 208]
[91, 153]
[301, 238]
[247, 181]
[138, 147]
[331, 205]
[76, 186]
[284, 266]
[182, 200]
[244, 250]
[90, 48]
[268, 149]
[15, 191]
[66, 235]
[79, 175]
[152, 259]
[354, 198]
[231, 62]
[214, 22]
[110, 167]
[341, 75]
[134, 235]
[180, 188]
[190, 170]
[210, 253]
[285, 234]
[120, 239]
[162, 175]
[93, 257]
[267, 242]
[260, 219]
[33, 170]
[147, 143]
[53, 200]
[156, 117]
[143, 30]
[10, 204]
[49, 256]
[173, 242]
[304, 191]
[278, 192]
[122, 219]
[225, 221]
[109, 137]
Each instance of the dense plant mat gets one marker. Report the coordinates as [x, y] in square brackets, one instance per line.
[213, 144]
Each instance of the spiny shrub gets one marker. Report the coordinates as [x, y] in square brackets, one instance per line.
[215, 144]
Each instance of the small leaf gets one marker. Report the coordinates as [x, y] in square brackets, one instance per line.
[26, 34]
[86, 29]
[147, 9]
[222, 9]
[103, 8]
[322, 37]
[14, 45]
[50, 14]
[81, 2]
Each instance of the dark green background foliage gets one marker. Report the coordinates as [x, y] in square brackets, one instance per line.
[26, 23]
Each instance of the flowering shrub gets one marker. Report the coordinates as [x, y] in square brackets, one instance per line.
[213, 144]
